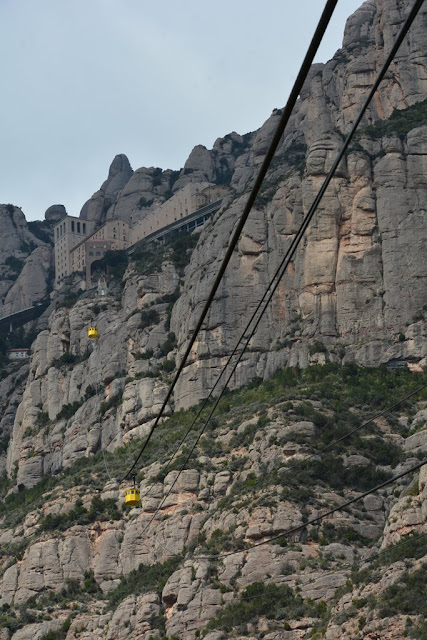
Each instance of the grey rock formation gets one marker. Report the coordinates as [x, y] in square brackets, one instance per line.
[138, 190]
[119, 175]
[344, 294]
[25, 261]
[16, 239]
[55, 213]
[32, 284]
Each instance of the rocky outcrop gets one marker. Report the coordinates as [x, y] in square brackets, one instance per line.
[119, 174]
[73, 382]
[55, 213]
[193, 545]
[33, 283]
[343, 297]
[16, 239]
[25, 261]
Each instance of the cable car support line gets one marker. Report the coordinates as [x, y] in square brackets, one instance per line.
[292, 249]
[287, 111]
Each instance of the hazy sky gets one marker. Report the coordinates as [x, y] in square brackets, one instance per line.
[84, 80]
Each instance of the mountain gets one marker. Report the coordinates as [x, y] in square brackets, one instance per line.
[76, 413]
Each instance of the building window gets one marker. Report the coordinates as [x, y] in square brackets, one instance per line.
[78, 227]
[98, 253]
[91, 253]
[84, 227]
[72, 226]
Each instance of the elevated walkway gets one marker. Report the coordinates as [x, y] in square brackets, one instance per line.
[187, 224]
[17, 319]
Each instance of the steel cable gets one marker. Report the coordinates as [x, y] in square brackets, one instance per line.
[299, 82]
[296, 241]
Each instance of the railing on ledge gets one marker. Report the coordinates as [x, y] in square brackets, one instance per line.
[22, 317]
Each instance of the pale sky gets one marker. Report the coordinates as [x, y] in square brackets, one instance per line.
[84, 80]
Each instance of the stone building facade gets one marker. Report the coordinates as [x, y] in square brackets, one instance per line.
[113, 235]
[69, 232]
[79, 246]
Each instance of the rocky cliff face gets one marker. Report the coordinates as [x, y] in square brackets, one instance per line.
[356, 290]
[344, 294]
[25, 262]
[355, 293]
[75, 564]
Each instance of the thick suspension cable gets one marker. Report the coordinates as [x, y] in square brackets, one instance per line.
[297, 239]
[286, 114]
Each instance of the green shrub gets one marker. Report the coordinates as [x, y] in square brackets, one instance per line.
[400, 122]
[68, 410]
[149, 317]
[316, 347]
[42, 419]
[223, 541]
[15, 264]
[41, 229]
[145, 355]
[408, 597]
[113, 401]
[145, 579]
[245, 437]
[115, 263]
[419, 631]
[144, 202]
[330, 471]
[182, 248]
[68, 358]
[99, 510]
[331, 533]
[271, 601]
[168, 366]
[168, 345]
[69, 300]
[90, 391]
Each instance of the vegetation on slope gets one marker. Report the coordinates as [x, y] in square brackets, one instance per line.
[335, 400]
[399, 123]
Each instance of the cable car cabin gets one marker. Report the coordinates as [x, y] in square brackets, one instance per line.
[92, 333]
[132, 497]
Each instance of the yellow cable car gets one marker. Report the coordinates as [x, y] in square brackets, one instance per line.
[132, 495]
[92, 333]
